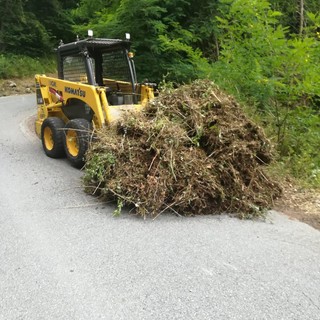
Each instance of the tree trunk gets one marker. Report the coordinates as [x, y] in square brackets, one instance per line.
[301, 17]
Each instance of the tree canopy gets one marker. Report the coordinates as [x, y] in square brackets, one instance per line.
[176, 39]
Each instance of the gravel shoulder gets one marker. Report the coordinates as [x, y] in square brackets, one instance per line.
[12, 87]
[301, 204]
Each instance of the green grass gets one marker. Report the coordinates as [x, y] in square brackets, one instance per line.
[18, 66]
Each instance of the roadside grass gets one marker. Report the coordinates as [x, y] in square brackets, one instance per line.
[18, 66]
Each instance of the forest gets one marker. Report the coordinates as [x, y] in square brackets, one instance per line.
[264, 52]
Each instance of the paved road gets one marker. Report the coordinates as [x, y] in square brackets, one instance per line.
[63, 255]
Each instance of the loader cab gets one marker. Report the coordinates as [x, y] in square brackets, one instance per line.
[99, 62]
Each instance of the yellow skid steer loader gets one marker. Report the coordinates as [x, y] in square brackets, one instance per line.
[96, 83]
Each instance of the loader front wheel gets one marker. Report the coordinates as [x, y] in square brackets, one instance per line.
[76, 141]
[52, 137]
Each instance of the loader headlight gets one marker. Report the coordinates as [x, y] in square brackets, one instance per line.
[128, 36]
[130, 54]
[90, 33]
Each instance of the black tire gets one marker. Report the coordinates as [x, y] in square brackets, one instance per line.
[52, 137]
[76, 141]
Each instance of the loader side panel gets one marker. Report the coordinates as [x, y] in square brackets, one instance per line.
[68, 100]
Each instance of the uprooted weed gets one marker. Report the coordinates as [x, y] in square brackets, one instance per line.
[192, 151]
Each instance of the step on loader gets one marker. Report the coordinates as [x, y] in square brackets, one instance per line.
[96, 84]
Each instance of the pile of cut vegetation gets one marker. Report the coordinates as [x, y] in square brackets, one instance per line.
[192, 151]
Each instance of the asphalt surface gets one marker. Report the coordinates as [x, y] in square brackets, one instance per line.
[64, 256]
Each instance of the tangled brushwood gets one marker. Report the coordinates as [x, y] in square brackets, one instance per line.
[192, 151]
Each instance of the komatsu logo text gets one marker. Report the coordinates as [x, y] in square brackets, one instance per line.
[77, 92]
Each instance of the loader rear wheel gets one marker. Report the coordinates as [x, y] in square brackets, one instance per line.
[52, 137]
[76, 141]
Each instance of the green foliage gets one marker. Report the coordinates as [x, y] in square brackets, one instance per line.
[29, 35]
[11, 13]
[291, 12]
[300, 145]
[260, 63]
[120, 204]
[16, 66]
[55, 21]
[259, 60]
[33, 29]
[98, 166]
[248, 59]
[279, 74]
[89, 9]
[162, 45]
